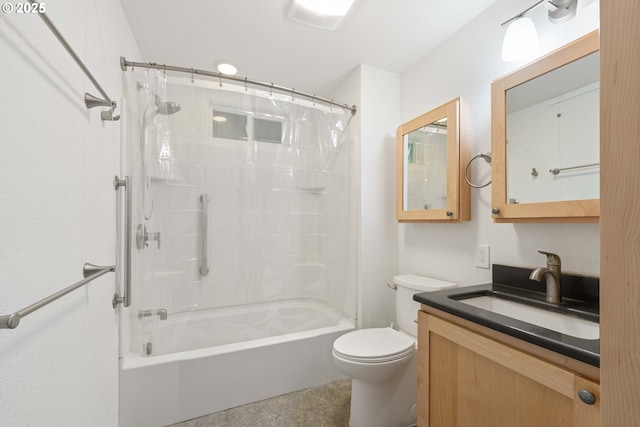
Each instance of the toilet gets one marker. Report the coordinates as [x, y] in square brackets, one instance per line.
[382, 362]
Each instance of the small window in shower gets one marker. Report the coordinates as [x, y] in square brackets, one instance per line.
[229, 125]
[267, 130]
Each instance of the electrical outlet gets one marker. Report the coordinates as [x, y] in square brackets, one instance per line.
[482, 256]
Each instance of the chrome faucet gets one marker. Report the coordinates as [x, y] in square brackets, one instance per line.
[552, 272]
[148, 313]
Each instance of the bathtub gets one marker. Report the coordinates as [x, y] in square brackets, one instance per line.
[206, 361]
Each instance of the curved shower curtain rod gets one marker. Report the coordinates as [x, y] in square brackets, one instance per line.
[124, 64]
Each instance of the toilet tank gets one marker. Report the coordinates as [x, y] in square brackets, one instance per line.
[406, 307]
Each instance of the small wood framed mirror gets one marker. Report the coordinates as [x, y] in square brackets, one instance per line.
[431, 151]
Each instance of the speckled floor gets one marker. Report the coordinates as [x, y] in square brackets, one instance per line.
[322, 406]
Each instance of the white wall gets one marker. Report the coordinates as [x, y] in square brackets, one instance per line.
[60, 366]
[376, 93]
[350, 92]
[465, 65]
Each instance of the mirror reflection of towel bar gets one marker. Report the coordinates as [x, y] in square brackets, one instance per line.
[556, 171]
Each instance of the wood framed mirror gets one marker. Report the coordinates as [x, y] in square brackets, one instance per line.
[431, 151]
[545, 138]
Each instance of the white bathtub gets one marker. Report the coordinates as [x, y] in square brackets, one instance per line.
[196, 369]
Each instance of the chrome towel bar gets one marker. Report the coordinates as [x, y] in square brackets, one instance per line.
[556, 171]
[89, 100]
[89, 271]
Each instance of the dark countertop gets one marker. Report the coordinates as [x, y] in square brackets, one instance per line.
[587, 351]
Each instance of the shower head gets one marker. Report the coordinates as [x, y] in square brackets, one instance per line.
[161, 107]
[166, 107]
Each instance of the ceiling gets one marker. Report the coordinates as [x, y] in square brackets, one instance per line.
[265, 45]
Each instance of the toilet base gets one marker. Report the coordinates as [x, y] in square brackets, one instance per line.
[385, 404]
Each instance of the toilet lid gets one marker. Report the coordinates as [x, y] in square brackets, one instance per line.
[373, 345]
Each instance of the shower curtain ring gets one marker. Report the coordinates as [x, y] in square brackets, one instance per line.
[313, 99]
[245, 84]
[271, 90]
[220, 78]
[192, 81]
[292, 91]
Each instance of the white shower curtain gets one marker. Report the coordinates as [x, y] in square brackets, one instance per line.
[274, 175]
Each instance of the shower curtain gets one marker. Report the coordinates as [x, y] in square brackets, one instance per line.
[242, 197]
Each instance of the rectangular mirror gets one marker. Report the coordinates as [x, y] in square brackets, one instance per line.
[545, 138]
[429, 155]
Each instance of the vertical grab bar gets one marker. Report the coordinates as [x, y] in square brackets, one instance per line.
[126, 298]
[204, 269]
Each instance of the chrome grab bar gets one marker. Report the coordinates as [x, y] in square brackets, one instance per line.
[204, 268]
[89, 271]
[126, 298]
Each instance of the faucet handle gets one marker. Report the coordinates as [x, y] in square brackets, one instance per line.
[552, 259]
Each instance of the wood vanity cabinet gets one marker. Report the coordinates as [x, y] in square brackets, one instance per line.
[468, 379]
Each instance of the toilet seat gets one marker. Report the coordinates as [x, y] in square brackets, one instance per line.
[373, 345]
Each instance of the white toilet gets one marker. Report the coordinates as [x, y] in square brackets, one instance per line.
[382, 362]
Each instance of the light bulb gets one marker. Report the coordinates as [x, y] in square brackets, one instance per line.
[226, 68]
[327, 7]
[520, 40]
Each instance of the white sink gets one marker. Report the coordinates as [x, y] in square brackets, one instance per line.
[563, 323]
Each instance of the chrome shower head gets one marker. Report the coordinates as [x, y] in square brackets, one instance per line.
[166, 107]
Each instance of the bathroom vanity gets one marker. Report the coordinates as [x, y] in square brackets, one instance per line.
[478, 367]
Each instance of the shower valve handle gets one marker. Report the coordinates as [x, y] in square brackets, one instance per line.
[143, 237]
[154, 237]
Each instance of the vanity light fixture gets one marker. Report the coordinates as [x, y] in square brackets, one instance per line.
[521, 38]
[561, 11]
[324, 14]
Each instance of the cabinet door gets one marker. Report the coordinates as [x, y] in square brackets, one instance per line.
[466, 379]
[531, 146]
[586, 414]
[431, 151]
